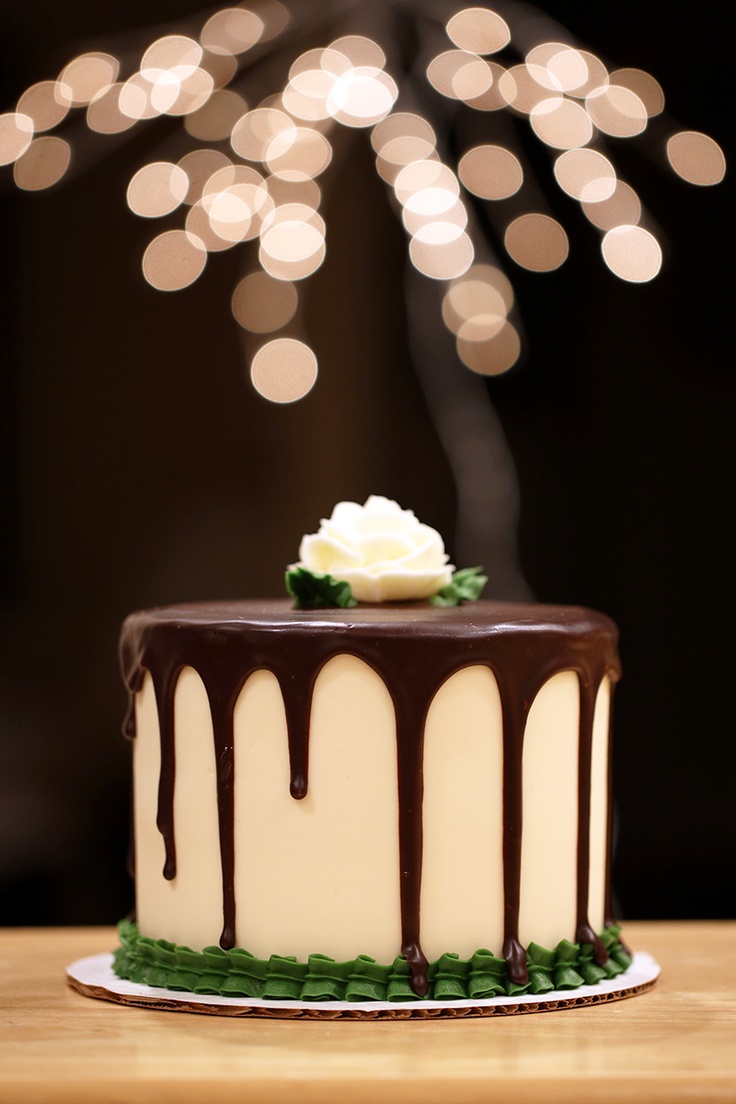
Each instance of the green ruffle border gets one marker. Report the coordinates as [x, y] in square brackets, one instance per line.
[237, 973]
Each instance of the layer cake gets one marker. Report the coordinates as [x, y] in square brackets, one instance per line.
[391, 801]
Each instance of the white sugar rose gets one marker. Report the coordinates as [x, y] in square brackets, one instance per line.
[384, 552]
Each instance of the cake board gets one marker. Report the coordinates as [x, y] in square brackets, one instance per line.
[94, 977]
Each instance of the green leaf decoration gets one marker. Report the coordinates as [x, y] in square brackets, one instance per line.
[465, 586]
[312, 591]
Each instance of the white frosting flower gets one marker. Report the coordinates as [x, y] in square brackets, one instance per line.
[384, 552]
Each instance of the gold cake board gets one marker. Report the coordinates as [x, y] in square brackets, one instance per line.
[94, 977]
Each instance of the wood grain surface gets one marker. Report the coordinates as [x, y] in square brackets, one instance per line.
[675, 1043]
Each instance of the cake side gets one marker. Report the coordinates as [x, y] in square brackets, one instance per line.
[272, 681]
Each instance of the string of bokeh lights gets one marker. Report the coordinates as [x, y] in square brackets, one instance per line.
[252, 174]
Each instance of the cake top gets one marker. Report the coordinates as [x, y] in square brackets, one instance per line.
[418, 618]
[413, 646]
[418, 622]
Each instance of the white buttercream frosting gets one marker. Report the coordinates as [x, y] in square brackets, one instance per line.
[384, 552]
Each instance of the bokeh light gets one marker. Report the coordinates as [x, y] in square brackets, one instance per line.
[284, 370]
[492, 99]
[696, 157]
[617, 111]
[568, 69]
[416, 214]
[537, 242]
[525, 86]
[170, 52]
[275, 18]
[474, 305]
[479, 31]
[420, 176]
[333, 63]
[305, 96]
[298, 153]
[232, 211]
[231, 174]
[644, 85]
[632, 253]
[237, 202]
[43, 164]
[491, 172]
[181, 93]
[621, 208]
[200, 165]
[401, 139]
[403, 126]
[16, 135]
[460, 75]
[262, 304]
[174, 260]
[293, 233]
[253, 133]
[493, 356]
[231, 31]
[362, 96]
[43, 106]
[538, 61]
[562, 124]
[135, 98]
[199, 225]
[586, 175]
[441, 250]
[359, 50]
[292, 242]
[85, 78]
[597, 74]
[105, 115]
[157, 189]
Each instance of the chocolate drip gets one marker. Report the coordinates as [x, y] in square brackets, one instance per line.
[296, 690]
[583, 931]
[411, 703]
[515, 710]
[165, 816]
[413, 648]
[222, 697]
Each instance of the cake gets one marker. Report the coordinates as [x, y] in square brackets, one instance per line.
[391, 800]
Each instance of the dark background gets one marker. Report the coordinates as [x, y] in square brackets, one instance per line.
[138, 466]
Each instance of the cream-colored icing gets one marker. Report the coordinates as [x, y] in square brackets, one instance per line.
[322, 874]
[549, 836]
[462, 871]
[188, 909]
[599, 807]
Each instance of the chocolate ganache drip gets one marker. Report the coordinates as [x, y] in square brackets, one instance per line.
[414, 648]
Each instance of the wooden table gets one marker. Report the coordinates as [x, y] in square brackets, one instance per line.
[675, 1043]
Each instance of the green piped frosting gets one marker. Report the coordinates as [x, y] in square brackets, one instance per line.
[311, 590]
[237, 973]
[464, 586]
